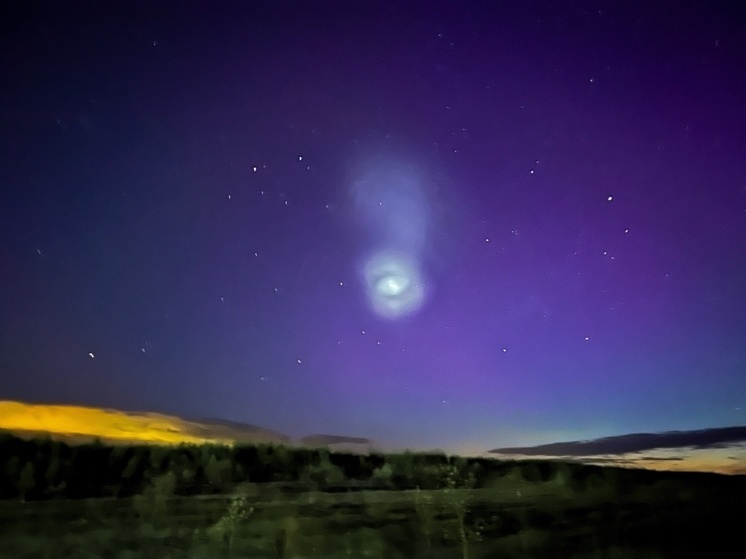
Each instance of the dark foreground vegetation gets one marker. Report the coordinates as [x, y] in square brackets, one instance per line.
[262, 502]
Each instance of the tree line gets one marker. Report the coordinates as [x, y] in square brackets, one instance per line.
[43, 468]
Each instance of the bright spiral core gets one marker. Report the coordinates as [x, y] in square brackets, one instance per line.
[393, 284]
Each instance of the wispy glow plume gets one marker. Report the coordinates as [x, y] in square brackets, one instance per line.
[392, 206]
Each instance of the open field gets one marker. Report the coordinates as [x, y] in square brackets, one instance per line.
[60, 501]
[510, 517]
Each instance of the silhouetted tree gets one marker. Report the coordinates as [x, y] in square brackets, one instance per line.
[26, 481]
[12, 473]
[218, 472]
[382, 476]
[322, 474]
[52, 476]
[131, 476]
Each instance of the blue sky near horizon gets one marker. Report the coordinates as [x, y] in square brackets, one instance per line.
[441, 225]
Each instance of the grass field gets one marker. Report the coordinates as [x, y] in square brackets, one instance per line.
[509, 518]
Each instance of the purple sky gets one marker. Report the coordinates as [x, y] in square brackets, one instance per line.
[454, 225]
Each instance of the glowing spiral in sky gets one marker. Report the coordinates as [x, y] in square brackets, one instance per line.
[391, 205]
[393, 283]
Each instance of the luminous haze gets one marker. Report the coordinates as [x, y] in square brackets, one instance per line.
[437, 225]
[392, 204]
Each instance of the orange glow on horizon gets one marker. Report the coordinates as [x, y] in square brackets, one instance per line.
[106, 424]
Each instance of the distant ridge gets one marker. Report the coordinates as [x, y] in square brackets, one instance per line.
[239, 432]
[337, 442]
[635, 442]
[718, 449]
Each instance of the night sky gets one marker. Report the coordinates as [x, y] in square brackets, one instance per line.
[441, 225]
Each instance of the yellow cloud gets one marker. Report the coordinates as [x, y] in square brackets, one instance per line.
[109, 425]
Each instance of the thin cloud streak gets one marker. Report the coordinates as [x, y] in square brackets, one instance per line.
[635, 442]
